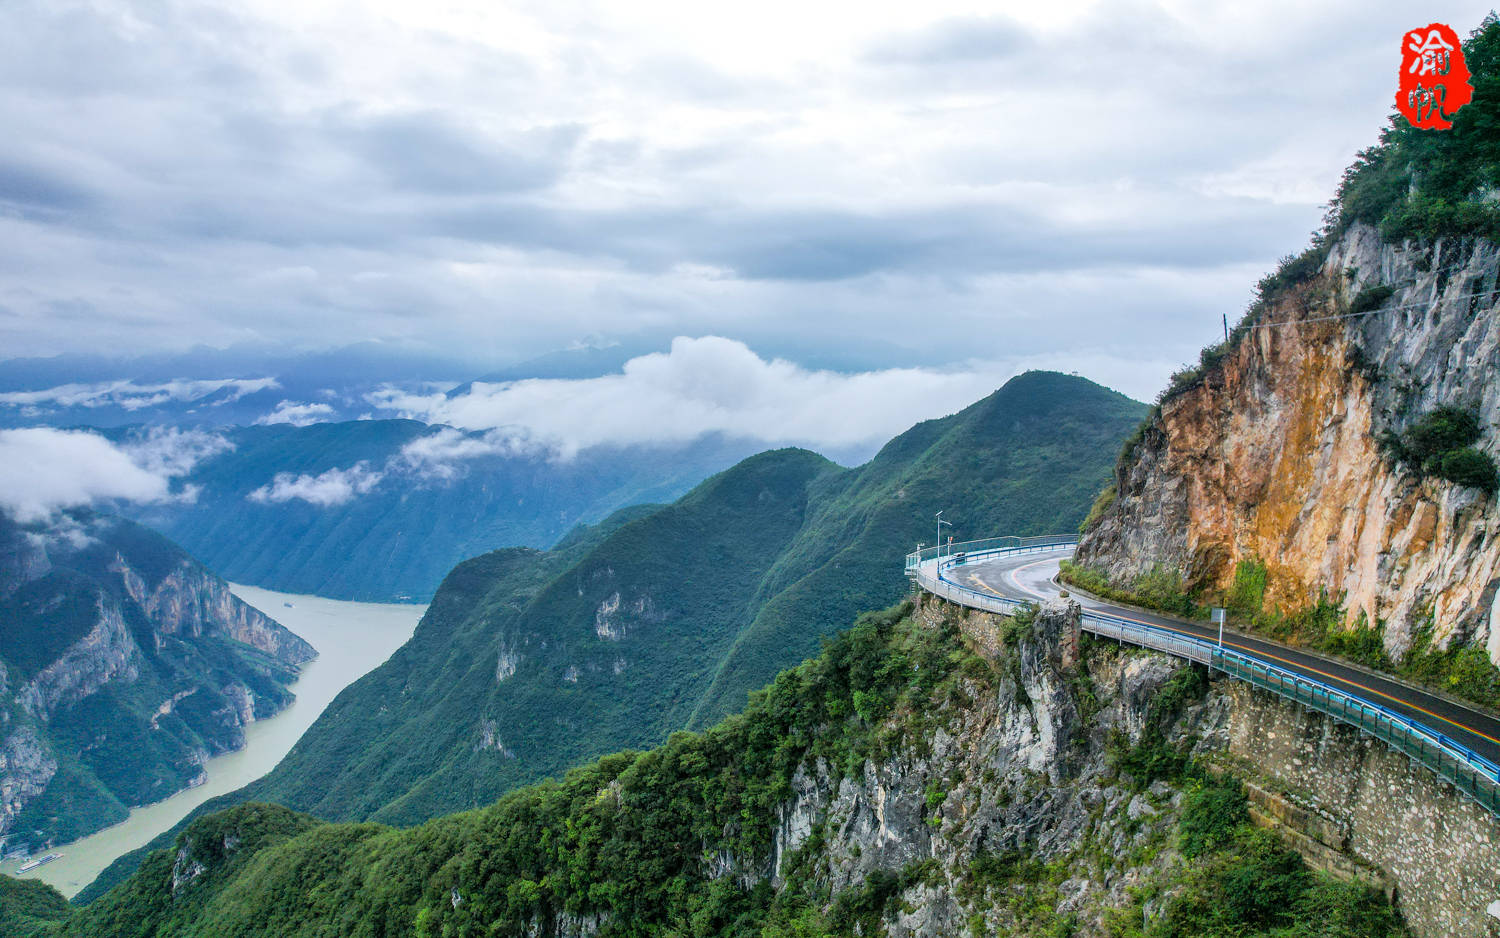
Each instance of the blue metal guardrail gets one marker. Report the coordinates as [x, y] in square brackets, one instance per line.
[1466, 770]
[987, 547]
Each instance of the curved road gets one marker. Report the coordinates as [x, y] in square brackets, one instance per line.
[1030, 577]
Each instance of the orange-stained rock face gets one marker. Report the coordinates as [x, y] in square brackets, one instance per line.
[1274, 454]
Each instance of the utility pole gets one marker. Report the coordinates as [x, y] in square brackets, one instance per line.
[940, 523]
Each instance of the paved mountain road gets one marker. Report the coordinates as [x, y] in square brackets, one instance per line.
[1030, 577]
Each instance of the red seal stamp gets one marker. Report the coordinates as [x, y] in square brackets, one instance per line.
[1434, 77]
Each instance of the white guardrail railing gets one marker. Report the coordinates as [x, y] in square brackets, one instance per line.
[1466, 770]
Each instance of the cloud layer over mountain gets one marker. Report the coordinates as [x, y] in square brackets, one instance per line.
[332, 487]
[43, 470]
[700, 386]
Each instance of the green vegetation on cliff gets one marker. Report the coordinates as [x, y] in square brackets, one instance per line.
[1441, 443]
[29, 909]
[1159, 588]
[1464, 671]
[1321, 625]
[683, 839]
[1426, 184]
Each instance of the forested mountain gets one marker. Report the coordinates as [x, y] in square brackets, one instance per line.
[530, 662]
[916, 779]
[380, 510]
[124, 665]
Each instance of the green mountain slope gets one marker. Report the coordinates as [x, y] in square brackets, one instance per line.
[675, 616]
[28, 907]
[1025, 460]
[531, 662]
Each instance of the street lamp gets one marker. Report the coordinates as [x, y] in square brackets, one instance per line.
[940, 523]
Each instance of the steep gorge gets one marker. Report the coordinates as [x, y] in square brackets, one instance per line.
[124, 665]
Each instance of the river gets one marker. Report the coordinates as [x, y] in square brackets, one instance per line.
[351, 639]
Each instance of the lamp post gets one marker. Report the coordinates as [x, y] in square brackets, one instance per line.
[940, 523]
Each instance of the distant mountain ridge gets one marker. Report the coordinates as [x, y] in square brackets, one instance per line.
[207, 387]
[407, 519]
[124, 665]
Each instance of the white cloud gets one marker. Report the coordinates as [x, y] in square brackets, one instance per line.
[334, 487]
[169, 451]
[43, 470]
[65, 532]
[702, 385]
[435, 456]
[132, 396]
[298, 415]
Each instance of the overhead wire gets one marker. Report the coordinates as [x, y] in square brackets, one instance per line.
[1379, 309]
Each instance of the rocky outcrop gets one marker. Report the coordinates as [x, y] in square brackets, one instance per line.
[489, 739]
[22, 559]
[506, 662]
[1023, 772]
[191, 601]
[185, 869]
[1273, 454]
[25, 769]
[615, 618]
[106, 653]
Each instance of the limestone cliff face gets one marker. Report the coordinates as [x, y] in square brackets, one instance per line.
[1026, 769]
[25, 770]
[111, 635]
[1273, 454]
[107, 653]
[1022, 771]
[1021, 768]
[191, 601]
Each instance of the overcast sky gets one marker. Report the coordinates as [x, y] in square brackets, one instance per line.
[920, 184]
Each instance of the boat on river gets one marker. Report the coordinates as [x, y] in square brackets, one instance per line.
[42, 862]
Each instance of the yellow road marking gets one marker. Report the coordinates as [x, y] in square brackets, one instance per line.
[1296, 665]
[985, 586]
[1028, 566]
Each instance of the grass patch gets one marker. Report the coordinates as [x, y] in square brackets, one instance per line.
[1160, 587]
[1102, 503]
